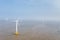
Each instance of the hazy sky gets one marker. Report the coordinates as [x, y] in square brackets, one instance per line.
[30, 9]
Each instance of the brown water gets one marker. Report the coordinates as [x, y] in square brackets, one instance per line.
[30, 31]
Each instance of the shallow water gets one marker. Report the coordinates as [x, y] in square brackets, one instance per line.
[30, 30]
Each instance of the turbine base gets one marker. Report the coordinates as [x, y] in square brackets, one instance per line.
[17, 33]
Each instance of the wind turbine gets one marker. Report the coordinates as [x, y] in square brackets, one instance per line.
[16, 33]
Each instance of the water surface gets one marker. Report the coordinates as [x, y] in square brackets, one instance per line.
[30, 30]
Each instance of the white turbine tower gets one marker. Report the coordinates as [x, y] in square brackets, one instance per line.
[17, 27]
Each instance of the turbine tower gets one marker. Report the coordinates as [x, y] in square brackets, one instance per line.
[17, 33]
